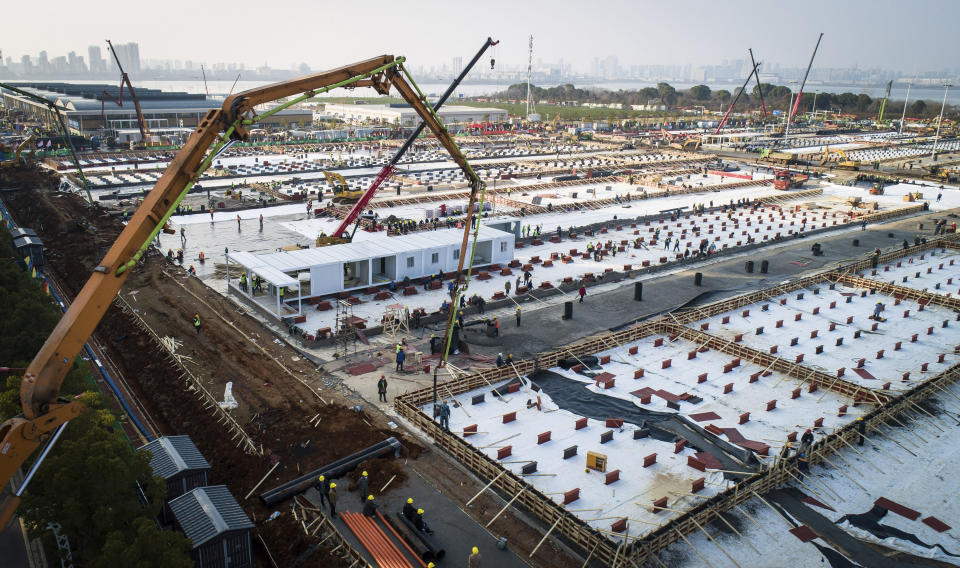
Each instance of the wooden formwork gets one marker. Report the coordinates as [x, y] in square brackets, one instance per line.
[593, 542]
[900, 292]
[770, 362]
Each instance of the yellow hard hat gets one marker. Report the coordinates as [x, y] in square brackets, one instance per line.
[321, 478]
[364, 474]
[419, 511]
[410, 500]
[369, 497]
[476, 550]
[859, 417]
[333, 486]
[431, 565]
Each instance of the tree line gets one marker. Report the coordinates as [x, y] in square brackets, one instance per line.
[91, 482]
[775, 97]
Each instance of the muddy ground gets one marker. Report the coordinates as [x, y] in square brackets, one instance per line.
[278, 391]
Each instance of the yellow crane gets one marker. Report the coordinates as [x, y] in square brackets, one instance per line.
[843, 162]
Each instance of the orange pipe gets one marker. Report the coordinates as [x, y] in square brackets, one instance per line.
[394, 551]
[388, 558]
[361, 536]
[402, 541]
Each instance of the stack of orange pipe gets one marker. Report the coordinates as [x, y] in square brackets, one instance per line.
[383, 551]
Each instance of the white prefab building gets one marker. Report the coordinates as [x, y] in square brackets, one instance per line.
[354, 266]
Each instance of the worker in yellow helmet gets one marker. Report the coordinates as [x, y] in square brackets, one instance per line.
[370, 507]
[323, 486]
[332, 496]
[474, 560]
[363, 484]
[421, 524]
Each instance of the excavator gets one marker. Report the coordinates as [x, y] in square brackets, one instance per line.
[20, 147]
[842, 163]
[44, 413]
[341, 189]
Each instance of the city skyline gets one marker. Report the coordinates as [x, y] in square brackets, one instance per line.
[697, 34]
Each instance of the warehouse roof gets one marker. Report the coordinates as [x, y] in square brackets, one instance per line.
[206, 512]
[174, 454]
[359, 250]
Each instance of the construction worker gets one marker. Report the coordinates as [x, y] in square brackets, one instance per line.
[500, 362]
[806, 440]
[369, 507]
[582, 292]
[518, 316]
[238, 221]
[474, 560]
[444, 415]
[363, 483]
[202, 258]
[408, 511]
[460, 318]
[180, 255]
[192, 270]
[243, 281]
[401, 355]
[421, 524]
[323, 487]
[861, 429]
[382, 388]
[496, 326]
[332, 496]
[196, 322]
[877, 309]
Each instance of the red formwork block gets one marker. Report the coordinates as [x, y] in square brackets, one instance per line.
[746, 313]
[841, 371]
[874, 326]
[509, 417]
[702, 378]
[649, 460]
[633, 350]
[513, 387]
[580, 424]
[929, 331]
[940, 358]
[795, 393]
[849, 320]
[577, 368]
[665, 364]
[571, 496]
[814, 333]
[896, 301]
[645, 399]
[696, 464]
[659, 504]
[832, 326]
[469, 430]
[725, 320]
[818, 423]
[833, 305]
[697, 485]
[913, 338]
[755, 376]
[779, 324]
[792, 436]
[738, 338]
[797, 317]
[735, 362]
[861, 362]
[799, 358]
[692, 354]
[886, 386]
[744, 418]
[783, 301]
[727, 388]
[842, 411]
[880, 354]
[658, 342]
[771, 405]
[612, 477]
[614, 423]
[728, 367]
[773, 349]
[679, 445]
[604, 359]
[543, 437]
[924, 366]
[905, 377]
[504, 452]
[704, 326]
[619, 526]
[906, 313]
[638, 373]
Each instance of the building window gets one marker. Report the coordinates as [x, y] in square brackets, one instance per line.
[435, 258]
[456, 254]
[410, 262]
[503, 246]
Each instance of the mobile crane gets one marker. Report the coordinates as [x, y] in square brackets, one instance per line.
[124, 78]
[45, 414]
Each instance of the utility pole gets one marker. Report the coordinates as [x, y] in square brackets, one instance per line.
[904, 115]
[529, 73]
[933, 154]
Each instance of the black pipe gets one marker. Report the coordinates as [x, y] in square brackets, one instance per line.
[331, 470]
[432, 549]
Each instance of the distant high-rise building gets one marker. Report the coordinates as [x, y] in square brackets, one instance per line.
[457, 65]
[26, 64]
[43, 64]
[129, 54]
[95, 59]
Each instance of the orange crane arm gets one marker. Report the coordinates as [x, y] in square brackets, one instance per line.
[43, 411]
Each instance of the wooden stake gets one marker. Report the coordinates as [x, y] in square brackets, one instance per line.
[544, 539]
[498, 441]
[505, 507]
[485, 487]
[704, 531]
[904, 448]
[705, 561]
[849, 445]
[255, 487]
[387, 483]
[749, 516]
[840, 470]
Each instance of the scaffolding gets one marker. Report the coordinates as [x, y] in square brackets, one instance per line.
[345, 333]
[396, 320]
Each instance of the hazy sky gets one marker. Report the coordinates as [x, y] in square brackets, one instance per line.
[896, 34]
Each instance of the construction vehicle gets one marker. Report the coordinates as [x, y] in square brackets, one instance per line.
[883, 103]
[877, 189]
[64, 132]
[782, 158]
[785, 179]
[20, 147]
[552, 126]
[841, 163]
[44, 413]
[341, 189]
